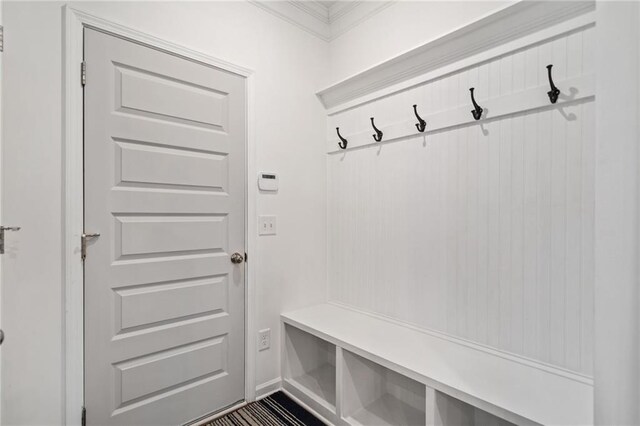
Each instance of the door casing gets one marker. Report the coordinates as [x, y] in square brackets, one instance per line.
[72, 135]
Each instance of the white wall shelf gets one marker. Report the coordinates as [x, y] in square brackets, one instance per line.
[515, 22]
[394, 374]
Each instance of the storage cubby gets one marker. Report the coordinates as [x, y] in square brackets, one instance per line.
[443, 410]
[310, 365]
[375, 395]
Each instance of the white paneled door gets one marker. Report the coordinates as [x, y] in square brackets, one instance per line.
[164, 158]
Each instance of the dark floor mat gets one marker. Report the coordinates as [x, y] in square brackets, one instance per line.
[277, 409]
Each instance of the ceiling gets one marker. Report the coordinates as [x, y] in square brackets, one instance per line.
[324, 19]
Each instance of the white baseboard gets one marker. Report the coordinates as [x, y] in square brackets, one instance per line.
[267, 388]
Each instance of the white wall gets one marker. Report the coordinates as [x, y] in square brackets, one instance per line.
[290, 65]
[31, 288]
[617, 328]
[483, 232]
[398, 28]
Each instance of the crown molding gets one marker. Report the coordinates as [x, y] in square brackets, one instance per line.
[346, 15]
[341, 8]
[297, 16]
[512, 22]
[313, 8]
[324, 22]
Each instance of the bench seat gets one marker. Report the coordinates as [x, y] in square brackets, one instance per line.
[508, 386]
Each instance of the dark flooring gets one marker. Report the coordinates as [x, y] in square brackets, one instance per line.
[275, 410]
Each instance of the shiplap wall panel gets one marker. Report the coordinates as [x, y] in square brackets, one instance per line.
[483, 231]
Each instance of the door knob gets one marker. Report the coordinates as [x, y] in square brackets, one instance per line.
[2, 229]
[237, 258]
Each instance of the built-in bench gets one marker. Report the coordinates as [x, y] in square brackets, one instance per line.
[354, 368]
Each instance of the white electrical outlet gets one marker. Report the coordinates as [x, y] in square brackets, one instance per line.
[264, 339]
[266, 225]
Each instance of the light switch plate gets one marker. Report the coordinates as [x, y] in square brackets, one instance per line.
[266, 225]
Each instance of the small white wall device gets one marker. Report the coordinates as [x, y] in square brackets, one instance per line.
[268, 181]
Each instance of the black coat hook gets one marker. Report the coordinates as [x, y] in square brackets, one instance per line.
[342, 144]
[378, 136]
[477, 109]
[554, 92]
[421, 125]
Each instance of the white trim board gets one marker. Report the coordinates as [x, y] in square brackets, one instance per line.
[573, 90]
[1, 192]
[267, 388]
[72, 198]
[446, 54]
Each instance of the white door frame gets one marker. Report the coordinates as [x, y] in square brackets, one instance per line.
[1, 198]
[72, 136]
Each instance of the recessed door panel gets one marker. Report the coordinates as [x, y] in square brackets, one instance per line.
[147, 376]
[147, 235]
[154, 304]
[147, 164]
[164, 97]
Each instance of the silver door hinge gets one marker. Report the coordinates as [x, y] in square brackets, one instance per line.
[2, 231]
[1, 38]
[83, 73]
[84, 417]
[83, 242]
